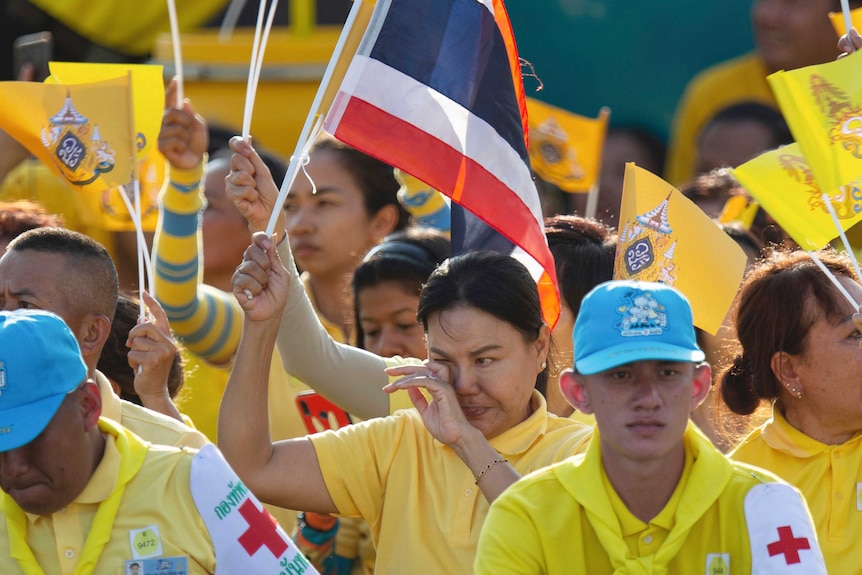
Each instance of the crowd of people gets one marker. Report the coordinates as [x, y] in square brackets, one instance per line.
[382, 405]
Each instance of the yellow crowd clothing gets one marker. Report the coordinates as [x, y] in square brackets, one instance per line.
[32, 180]
[128, 27]
[829, 476]
[741, 79]
[421, 501]
[567, 519]
[157, 498]
[146, 423]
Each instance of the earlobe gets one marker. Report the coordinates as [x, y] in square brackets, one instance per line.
[96, 329]
[574, 392]
[91, 404]
[543, 343]
[701, 385]
[783, 367]
[384, 222]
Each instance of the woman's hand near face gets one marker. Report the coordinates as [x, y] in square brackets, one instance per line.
[445, 420]
[442, 415]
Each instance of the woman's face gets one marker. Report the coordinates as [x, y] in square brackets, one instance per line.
[225, 231]
[387, 315]
[829, 373]
[329, 231]
[488, 363]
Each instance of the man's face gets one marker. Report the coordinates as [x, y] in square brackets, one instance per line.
[642, 408]
[793, 33]
[35, 280]
[48, 473]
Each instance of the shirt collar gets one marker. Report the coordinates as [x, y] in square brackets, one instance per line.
[112, 406]
[518, 439]
[781, 436]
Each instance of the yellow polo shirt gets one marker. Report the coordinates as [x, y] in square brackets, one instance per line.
[829, 476]
[146, 423]
[738, 80]
[421, 501]
[158, 497]
[561, 519]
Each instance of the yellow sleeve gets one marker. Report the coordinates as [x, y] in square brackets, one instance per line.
[206, 319]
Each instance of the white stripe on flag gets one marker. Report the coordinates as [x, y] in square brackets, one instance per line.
[432, 112]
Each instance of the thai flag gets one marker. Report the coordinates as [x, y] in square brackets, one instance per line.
[435, 90]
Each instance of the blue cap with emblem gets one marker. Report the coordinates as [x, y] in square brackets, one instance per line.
[40, 363]
[625, 321]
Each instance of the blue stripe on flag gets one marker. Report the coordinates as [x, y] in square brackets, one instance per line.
[471, 233]
[456, 48]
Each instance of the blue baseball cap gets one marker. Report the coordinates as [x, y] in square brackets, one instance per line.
[625, 321]
[40, 363]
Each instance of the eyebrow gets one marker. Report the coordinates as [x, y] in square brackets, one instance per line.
[474, 353]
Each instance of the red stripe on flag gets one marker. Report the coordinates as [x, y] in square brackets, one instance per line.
[394, 141]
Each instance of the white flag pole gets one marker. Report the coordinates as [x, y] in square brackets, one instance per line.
[848, 21]
[825, 199]
[178, 56]
[258, 66]
[255, 46]
[833, 279]
[296, 158]
[231, 17]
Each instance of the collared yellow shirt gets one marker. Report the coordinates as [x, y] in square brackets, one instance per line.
[550, 522]
[158, 497]
[420, 499]
[146, 423]
[830, 478]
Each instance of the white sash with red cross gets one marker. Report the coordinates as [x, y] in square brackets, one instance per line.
[781, 532]
[245, 536]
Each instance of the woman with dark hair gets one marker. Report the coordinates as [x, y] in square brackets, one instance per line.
[583, 251]
[800, 352]
[386, 288]
[416, 475]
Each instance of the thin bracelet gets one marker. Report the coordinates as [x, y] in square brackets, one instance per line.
[488, 468]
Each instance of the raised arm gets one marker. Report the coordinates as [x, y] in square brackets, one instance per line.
[206, 319]
[287, 473]
[351, 377]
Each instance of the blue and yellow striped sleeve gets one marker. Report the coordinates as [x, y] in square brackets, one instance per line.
[206, 319]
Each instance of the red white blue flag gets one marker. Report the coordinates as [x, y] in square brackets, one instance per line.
[435, 90]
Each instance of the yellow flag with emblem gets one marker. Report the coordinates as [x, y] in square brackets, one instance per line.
[665, 237]
[783, 184]
[823, 107]
[148, 95]
[82, 132]
[565, 148]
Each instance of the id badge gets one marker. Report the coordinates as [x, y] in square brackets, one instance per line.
[158, 566]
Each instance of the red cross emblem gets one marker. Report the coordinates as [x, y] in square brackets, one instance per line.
[262, 531]
[788, 545]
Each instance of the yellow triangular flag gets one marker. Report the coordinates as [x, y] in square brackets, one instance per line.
[665, 237]
[782, 183]
[823, 107]
[148, 93]
[565, 148]
[82, 131]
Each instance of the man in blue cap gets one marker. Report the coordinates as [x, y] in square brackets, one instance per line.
[651, 495]
[82, 494]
